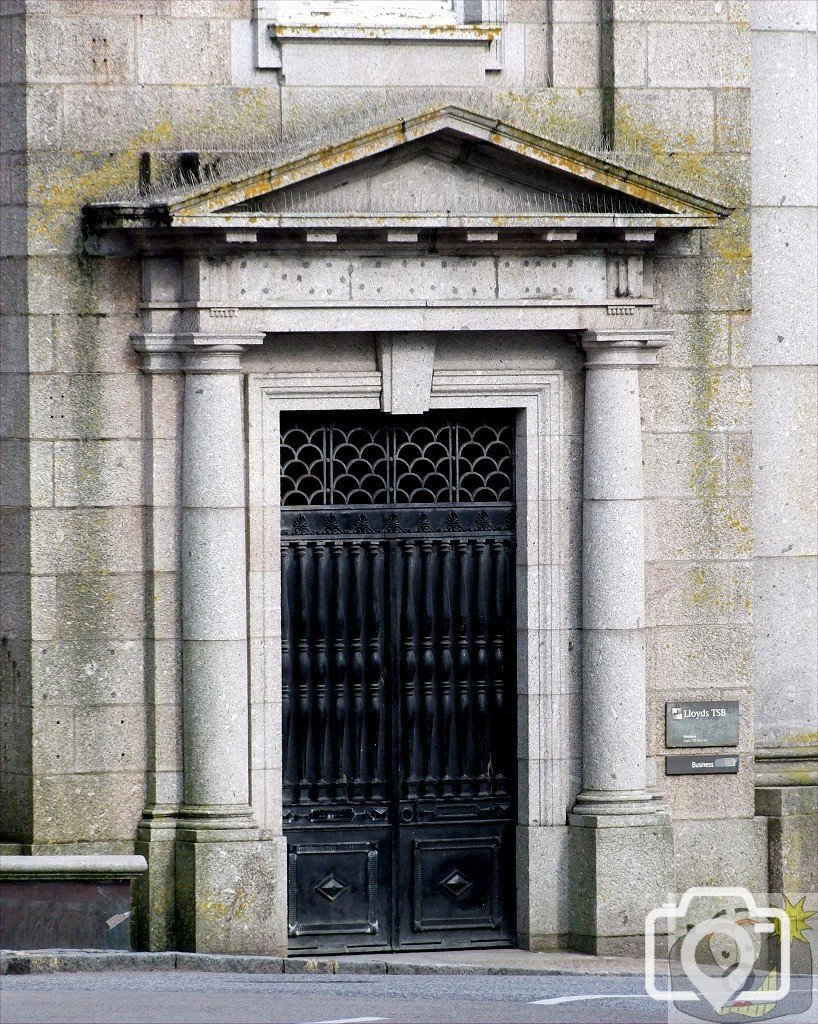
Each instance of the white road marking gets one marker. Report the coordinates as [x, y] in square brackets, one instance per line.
[350, 1020]
[555, 1000]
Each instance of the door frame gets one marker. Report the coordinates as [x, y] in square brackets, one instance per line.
[544, 707]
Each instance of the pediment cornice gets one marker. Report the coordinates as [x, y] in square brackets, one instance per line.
[550, 186]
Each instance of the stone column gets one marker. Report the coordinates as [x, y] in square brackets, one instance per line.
[228, 876]
[622, 842]
[214, 592]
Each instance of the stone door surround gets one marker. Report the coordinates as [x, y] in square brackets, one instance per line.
[274, 252]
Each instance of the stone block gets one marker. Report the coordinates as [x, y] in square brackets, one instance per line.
[216, 117]
[740, 464]
[716, 527]
[154, 892]
[100, 119]
[52, 740]
[86, 406]
[781, 16]
[12, 50]
[728, 853]
[536, 11]
[784, 326]
[733, 120]
[111, 805]
[88, 672]
[17, 738]
[44, 117]
[786, 659]
[165, 614]
[791, 815]
[110, 738]
[681, 657]
[684, 400]
[167, 738]
[13, 231]
[617, 875]
[576, 54]
[14, 184]
[96, 343]
[686, 465]
[783, 115]
[88, 606]
[232, 896]
[207, 8]
[719, 282]
[630, 55]
[674, 118]
[98, 473]
[14, 282]
[784, 460]
[164, 539]
[166, 660]
[356, 63]
[537, 55]
[688, 593]
[720, 797]
[734, 11]
[15, 483]
[90, 49]
[515, 62]
[740, 354]
[164, 393]
[187, 51]
[15, 526]
[543, 911]
[697, 56]
[86, 540]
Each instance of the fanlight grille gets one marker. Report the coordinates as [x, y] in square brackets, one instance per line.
[369, 460]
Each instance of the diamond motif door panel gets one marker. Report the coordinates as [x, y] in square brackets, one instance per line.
[398, 679]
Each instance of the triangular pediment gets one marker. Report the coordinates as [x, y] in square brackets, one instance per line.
[442, 165]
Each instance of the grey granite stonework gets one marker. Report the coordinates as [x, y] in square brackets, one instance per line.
[429, 219]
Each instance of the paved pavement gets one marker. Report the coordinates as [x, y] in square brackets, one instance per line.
[120, 997]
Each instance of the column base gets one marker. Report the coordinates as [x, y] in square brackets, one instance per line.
[231, 891]
[155, 890]
[621, 867]
[792, 836]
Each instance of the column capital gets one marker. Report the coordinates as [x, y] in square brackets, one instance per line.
[624, 349]
[193, 352]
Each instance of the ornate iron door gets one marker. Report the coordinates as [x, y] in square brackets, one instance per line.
[399, 682]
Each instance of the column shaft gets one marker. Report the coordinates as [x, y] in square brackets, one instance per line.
[214, 602]
[613, 584]
[613, 577]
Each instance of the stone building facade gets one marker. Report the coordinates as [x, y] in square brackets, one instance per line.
[591, 224]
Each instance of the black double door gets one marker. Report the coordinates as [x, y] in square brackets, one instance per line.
[399, 716]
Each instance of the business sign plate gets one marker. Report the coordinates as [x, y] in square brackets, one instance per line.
[701, 764]
[697, 723]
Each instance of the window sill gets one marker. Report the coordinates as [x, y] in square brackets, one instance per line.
[485, 34]
[276, 35]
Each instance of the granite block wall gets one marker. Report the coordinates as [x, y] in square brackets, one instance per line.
[91, 591]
